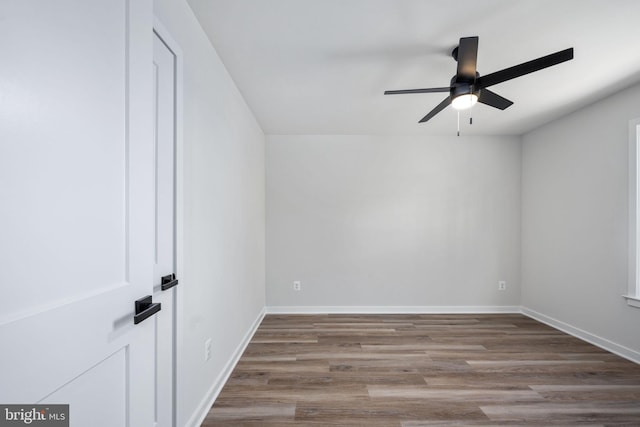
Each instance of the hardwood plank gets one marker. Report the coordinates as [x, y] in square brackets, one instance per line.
[427, 347]
[461, 395]
[589, 412]
[260, 412]
[385, 413]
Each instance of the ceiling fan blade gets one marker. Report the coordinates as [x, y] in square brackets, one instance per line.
[525, 68]
[429, 90]
[467, 57]
[436, 110]
[494, 100]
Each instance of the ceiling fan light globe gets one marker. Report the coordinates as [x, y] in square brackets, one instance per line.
[464, 102]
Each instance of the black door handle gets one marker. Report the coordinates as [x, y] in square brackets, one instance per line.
[145, 308]
[168, 282]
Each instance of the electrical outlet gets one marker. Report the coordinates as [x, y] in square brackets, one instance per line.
[502, 285]
[297, 286]
[207, 349]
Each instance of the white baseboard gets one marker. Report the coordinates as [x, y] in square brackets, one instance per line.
[392, 309]
[212, 394]
[603, 343]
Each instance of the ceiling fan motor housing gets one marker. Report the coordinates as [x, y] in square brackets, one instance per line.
[461, 87]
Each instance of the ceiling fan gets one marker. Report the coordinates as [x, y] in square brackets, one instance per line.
[468, 87]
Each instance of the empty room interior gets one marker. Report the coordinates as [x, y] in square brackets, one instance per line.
[321, 212]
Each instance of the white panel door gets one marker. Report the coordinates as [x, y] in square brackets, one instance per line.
[164, 65]
[76, 191]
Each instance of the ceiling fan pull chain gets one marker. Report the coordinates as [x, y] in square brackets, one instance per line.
[458, 123]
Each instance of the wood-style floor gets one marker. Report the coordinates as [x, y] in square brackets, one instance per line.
[424, 370]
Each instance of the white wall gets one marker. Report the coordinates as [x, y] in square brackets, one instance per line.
[574, 222]
[223, 280]
[393, 221]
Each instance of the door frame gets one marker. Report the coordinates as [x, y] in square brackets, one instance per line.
[170, 42]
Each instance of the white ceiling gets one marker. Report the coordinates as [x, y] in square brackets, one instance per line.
[321, 66]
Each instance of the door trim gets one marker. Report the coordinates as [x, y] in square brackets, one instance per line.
[169, 41]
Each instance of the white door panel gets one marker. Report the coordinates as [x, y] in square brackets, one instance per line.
[109, 409]
[165, 359]
[66, 144]
[164, 62]
[76, 184]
